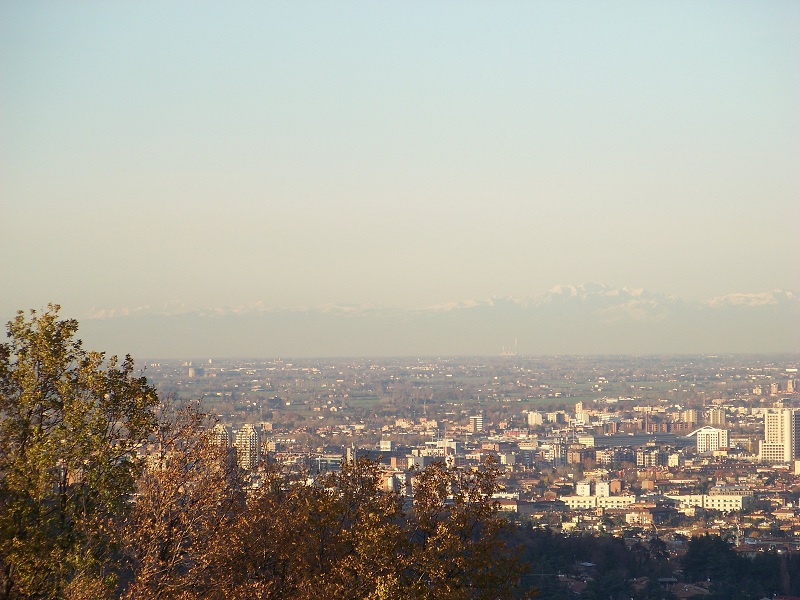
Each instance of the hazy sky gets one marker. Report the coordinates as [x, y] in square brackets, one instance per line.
[394, 153]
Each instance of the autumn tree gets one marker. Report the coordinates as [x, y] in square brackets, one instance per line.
[70, 420]
[107, 492]
[339, 532]
[457, 548]
[188, 500]
[348, 534]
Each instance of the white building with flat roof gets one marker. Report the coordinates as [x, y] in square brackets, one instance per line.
[710, 439]
[781, 443]
[721, 502]
[535, 419]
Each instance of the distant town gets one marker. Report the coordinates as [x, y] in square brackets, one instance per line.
[632, 446]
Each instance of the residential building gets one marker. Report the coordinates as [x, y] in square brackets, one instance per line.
[781, 443]
[535, 419]
[716, 417]
[248, 447]
[476, 423]
[710, 439]
[722, 502]
[222, 436]
[602, 489]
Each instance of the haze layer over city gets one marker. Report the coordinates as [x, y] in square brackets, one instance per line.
[354, 179]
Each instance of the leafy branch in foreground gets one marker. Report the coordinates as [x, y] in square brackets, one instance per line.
[70, 421]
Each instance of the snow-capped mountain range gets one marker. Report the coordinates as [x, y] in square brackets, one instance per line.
[568, 319]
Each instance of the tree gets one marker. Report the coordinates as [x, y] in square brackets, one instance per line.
[457, 549]
[342, 533]
[347, 534]
[188, 500]
[105, 491]
[70, 422]
[710, 557]
[613, 585]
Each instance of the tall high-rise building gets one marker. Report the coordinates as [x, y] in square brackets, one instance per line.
[781, 443]
[535, 418]
[556, 454]
[221, 435]
[716, 417]
[581, 417]
[476, 423]
[248, 447]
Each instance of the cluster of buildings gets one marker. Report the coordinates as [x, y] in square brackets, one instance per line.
[245, 442]
[570, 477]
[679, 448]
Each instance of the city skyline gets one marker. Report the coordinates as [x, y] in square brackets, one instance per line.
[288, 157]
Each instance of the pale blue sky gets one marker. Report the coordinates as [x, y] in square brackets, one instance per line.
[398, 154]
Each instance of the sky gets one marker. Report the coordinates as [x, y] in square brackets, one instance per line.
[399, 154]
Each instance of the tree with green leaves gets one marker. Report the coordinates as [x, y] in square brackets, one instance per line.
[70, 423]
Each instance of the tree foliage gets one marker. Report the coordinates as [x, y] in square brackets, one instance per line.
[343, 532]
[187, 498]
[70, 421]
[709, 557]
[105, 491]
[457, 547]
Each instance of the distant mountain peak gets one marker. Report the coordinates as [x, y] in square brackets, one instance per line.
[590, 296]
[771, 298]
[588, 318]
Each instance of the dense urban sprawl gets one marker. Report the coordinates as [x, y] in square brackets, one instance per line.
[680, 446]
